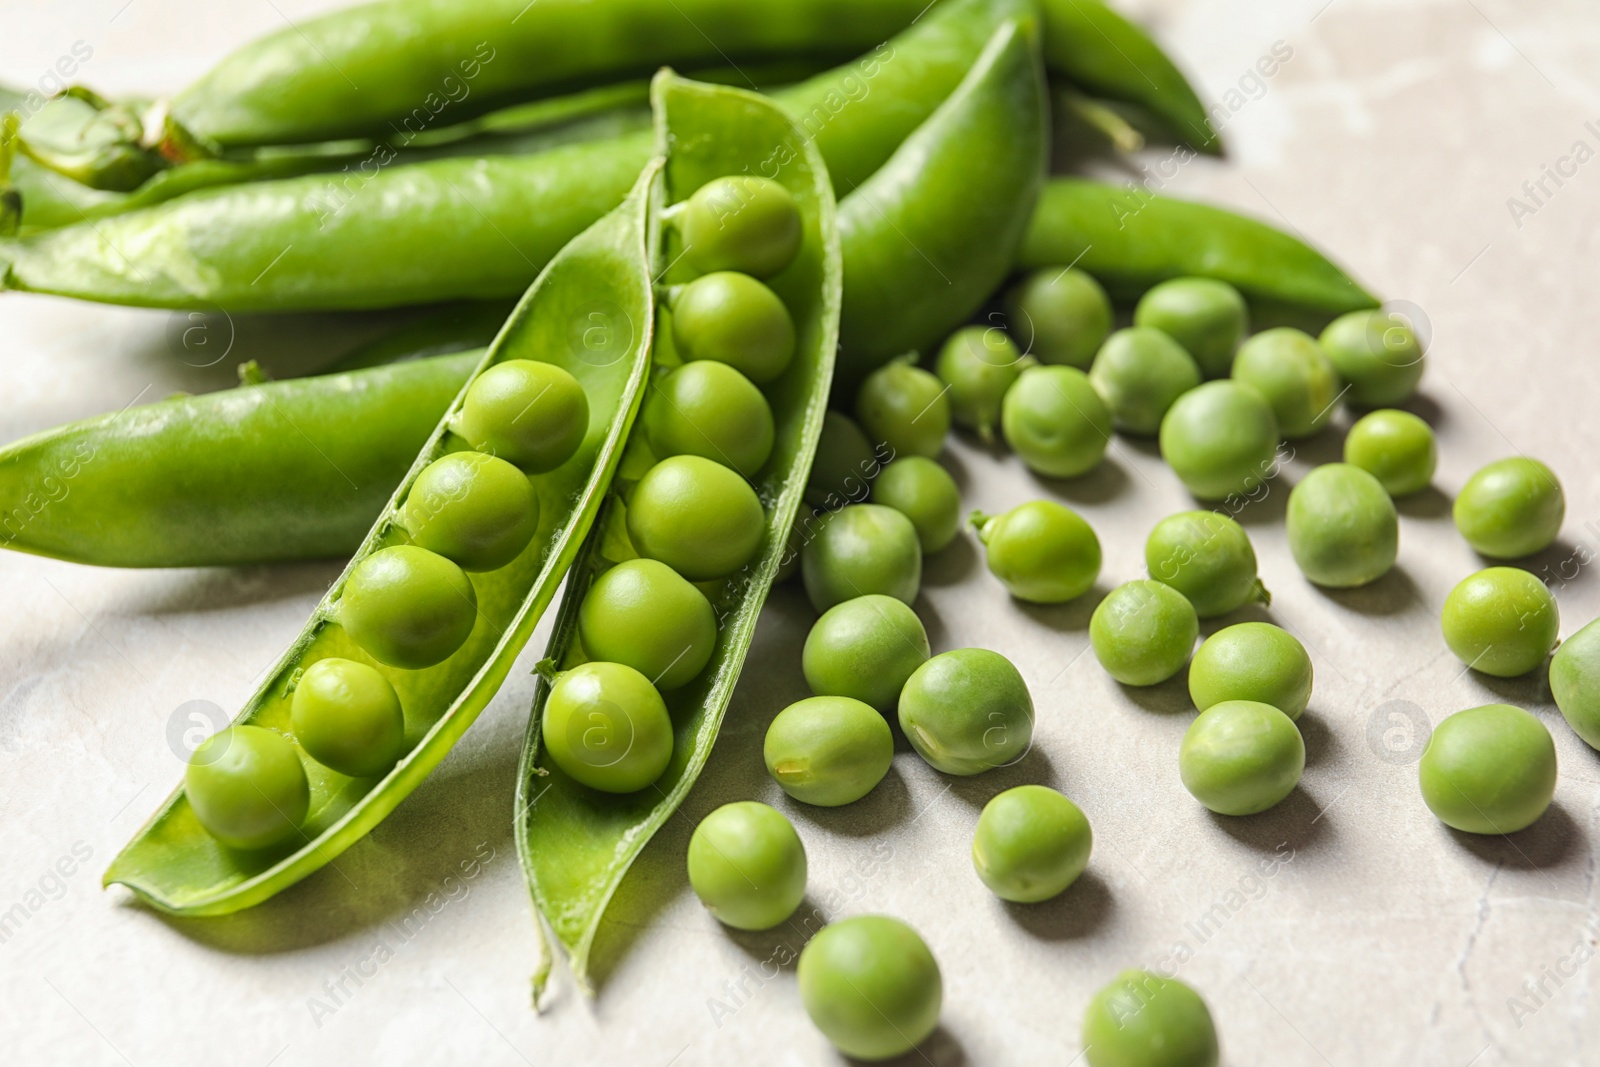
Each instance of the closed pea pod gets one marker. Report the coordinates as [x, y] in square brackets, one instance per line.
[978, 365]
[1343, 530]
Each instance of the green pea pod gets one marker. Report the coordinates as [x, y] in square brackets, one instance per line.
[1129, 239]
[577, 844]
[173, 862]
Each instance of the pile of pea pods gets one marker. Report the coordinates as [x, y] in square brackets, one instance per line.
[709, 286]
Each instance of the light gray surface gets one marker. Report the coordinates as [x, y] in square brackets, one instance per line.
[1394, 136]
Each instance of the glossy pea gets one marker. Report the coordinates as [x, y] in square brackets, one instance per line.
[698, 517]
[1489, 770]
[861, 549]
[1143, 1020]
[1502, 621]
[978, 364]
[1206, 316]
[408, 607]
[1241, 757]
[710, 410]
[904, 408]
[1575, 683]
[1207, 557]
[644, 614]
[1511, 508]
[1139, 373]
[1290, 369]
[967, 711]
[923, 492]
[473, 509]
[247, 787]
[1031, 843]
[828, 750]
[747, 865]
[733, 319]
[844, 466]
[607, 727]
[1143, 632]
[1220, 440]
[347, 716]
[1376, 354]
[532, 414]
[1252, 661]
[1054, 420]
[1059, 316]
[1395, 447]
[741, 223]
[1042, 551]
[1342, 526]
[871, 985]
[865, 648]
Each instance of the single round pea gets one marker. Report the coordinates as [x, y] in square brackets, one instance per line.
[408, 607]
[828, 750]
[1207, 557]
[1143, 632]
[1143, 1020]
[532, 414]
[710, 410]
[861, 549]
[247, 787]
[905, 408]
[1042, 552]
[1501, 621]
[1343, 530]
[645, 614]
[347, 716]
[967, 711]
[1207, 317]
[698, 517]
[1252, 661]
[1059, 316]
[1220, 439]
[865, 648]
[733, 319]
[1376, 354]
[473, 509]
[607, 727]
[1575, 682]
[1511, 508]
[747, 865]
[1290, 369]
[978, 364]
[1055, 421]
[1139, 372]
[1241, 757]
[845, 464]
[871, 986]
[741, 223]
[1395, 447]
[1489, 770]
[1031, 843]
[923, 492]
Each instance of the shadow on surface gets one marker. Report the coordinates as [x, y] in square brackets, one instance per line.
[1321, 742]
[1430, 502]
[1080, 911]
[1107, 481]
[1297, 821]
[1545, 845]
[886, 807]
[1389, 595]
[1071, 617]
[952, 564]
[1170, 697]
[1033, 767]
[941, 1049]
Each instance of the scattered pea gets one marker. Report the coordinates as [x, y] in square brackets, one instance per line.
[1241, 757]
[1143, 632]
[1395, 447]
[698, 517]
[1139, 372]
[1511, 508]
[1220, 440]
[1376, 354]
[733, 319]
[1501, 621]
[747, 865]
[1342, 526]
[845, 464]
[1042, 551]
[1059, 317]
[1489, 770]
[1207, 557]
[828, 750]
[532, 414]
[473, 509]
[923, 492]
[1054, 420]
[1575, 682]
[247, 787]
[967, 711]
[865, 648]
[978, 364]
[871, 986]
[408, 607]
[644, 614]
[1207, 317]
[1252, 661]
[861, 549]
[1298, 379]
[1031, 844]
[606, 726]
[905, 408]
[347, 716]
[1143, 1020]
[710, 410]
[741, 223]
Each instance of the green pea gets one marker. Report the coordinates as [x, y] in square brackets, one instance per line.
[1220, 440]
[1489, 770]
[747, 865]
[1241, 757]
[408, 607]
[1395, 447]
[923, 492]
[733, 319]
[473, 509]
[1208, 558]
[845, 464]
[710, 410]
[1143, 1020]
[978, 364]
[1343, 530]
[905, 408]
[1376, 354]
[532, 414]
[789, 563]
[1575, 683]
[967, 711]
[741, 223]
[1511, 508]
[1501, 621]
[1207, 317]
[644, 614]
[247, 787]
[1042, 552]
[871, 986]
[696, 516]
[828, 750]
[1055, 421]
[1139, 372]
[1143, 632]
[1290, 369]
[861, 549]
[347, 716]
[865, 648]
[605, 726]
[1252, 661]
[1059, 316]
[1031, 843]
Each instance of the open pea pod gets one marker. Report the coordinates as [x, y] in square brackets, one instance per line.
[576, 843]
[589, 312]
